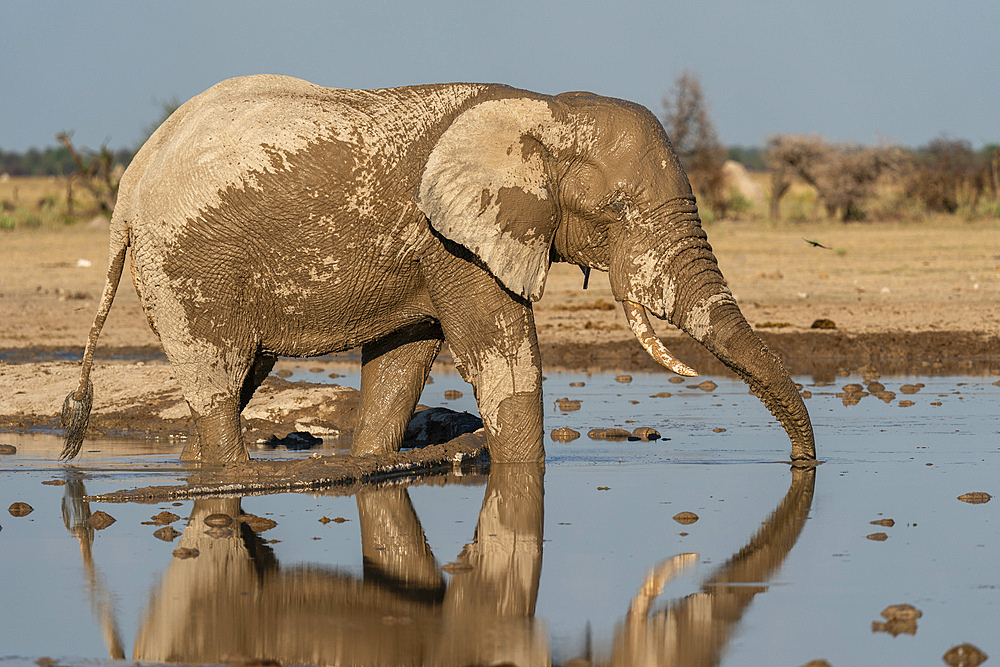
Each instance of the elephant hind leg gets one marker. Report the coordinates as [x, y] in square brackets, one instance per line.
[393, 372]
[215, 387]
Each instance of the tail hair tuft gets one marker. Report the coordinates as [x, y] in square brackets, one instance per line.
[75, 418]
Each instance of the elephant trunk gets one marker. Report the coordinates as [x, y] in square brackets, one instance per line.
[731, 339]
[694, 296]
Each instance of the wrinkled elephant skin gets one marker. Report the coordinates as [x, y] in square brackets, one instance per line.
[272, 217]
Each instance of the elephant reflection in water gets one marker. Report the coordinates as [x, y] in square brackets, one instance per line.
[694, 631]
[234, 601]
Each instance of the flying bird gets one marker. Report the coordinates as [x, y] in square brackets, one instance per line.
[816, 244]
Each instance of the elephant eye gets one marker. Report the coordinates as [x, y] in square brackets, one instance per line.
[616, 204]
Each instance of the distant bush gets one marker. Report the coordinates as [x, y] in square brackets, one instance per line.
[52, 161]
[947, 174]
[845, 176]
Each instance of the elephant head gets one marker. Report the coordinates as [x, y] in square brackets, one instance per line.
[526, 179]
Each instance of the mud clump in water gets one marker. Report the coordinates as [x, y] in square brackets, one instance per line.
[708, 385]
[878, 537]
[662, 394]
[20, 509]
[8, 449]
[612, 434]
[975, 497]
[258, 524]
[218, 520]
[899, 619]
[564, 434]
[164, 518]
[852, 394]
[906, 404]
[888, 523]
[578, 384]
[964, 655]
[685, 518]
[875, 387]
[676, 380]
[885, 396]
[624, 379]
[645, 433]
[54, 482]
[185, 552]
[100, 520]
[167, 533]
[911, 388]
[718, 429]
[567, 405]
[456, 567]
[452, 394]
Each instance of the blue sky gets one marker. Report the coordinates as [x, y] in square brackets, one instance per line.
[850, 70]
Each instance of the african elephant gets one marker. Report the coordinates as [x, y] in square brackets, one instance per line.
[270, 216]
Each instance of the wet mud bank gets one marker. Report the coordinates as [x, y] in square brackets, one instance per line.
[465, 452]
[804, 352]
[143, 399]
[821, 353]
[136, 393]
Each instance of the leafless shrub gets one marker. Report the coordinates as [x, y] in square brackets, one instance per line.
[686, 120]
[95, 171]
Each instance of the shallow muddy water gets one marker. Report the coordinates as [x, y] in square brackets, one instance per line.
[584, 560]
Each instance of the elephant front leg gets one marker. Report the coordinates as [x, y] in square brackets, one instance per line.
[507, 381]
[393, 372]
[491, 334]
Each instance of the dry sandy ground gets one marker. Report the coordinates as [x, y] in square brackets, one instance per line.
[904, 297]
[873, 279]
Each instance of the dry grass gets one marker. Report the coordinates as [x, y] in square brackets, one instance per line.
[44, 201]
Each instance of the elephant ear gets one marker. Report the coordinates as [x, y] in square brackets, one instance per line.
[487, 187]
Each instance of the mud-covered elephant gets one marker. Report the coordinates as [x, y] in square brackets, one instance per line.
[272, 217]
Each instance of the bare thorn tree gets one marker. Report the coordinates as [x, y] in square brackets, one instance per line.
[95, 171]
[686, 120]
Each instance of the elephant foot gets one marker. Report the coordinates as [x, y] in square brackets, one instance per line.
[516, 435]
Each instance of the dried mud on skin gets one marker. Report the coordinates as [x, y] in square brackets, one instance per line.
[316, 472]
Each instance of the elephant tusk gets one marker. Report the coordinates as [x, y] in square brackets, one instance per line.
[643, 330]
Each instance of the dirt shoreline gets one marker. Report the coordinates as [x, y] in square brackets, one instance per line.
[815, 353]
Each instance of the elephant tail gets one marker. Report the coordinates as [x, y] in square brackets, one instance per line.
[76, 407]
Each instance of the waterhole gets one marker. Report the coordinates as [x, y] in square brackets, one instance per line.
[583, 561]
